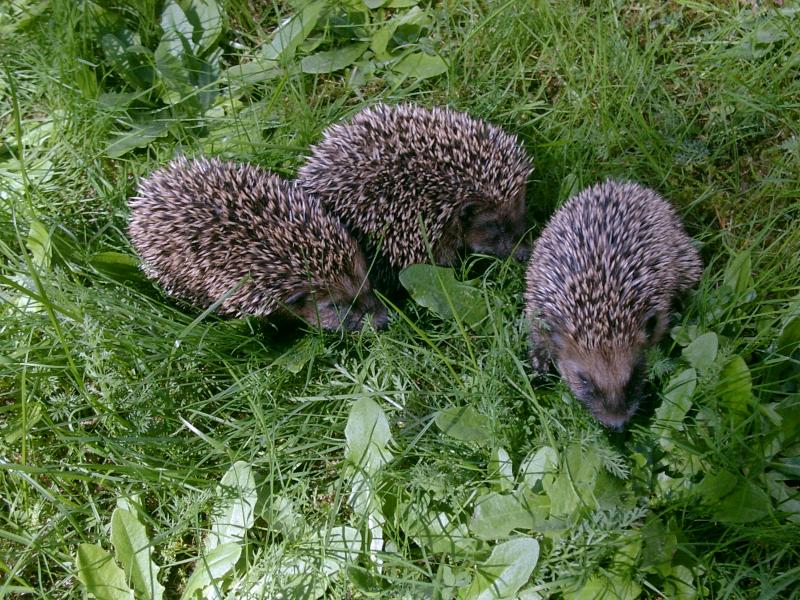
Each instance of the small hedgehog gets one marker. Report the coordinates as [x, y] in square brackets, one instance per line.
[401, 176]
[207, 228]
[600, 284]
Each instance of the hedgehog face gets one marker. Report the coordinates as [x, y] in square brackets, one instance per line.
[608, 378]
[608, 384]
[334, 310]
[496, 230]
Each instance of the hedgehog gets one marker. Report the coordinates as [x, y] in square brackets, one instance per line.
[600, 285]
[406, 179]
[208, 229]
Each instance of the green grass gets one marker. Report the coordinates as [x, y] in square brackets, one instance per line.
[110, 390]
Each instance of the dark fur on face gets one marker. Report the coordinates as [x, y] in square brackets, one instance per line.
[607, 380]
[600, 284]
[209, 229]
[408, 181]
[497, 230]
[331, 311]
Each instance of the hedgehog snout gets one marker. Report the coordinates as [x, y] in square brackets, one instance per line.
[366, 308]
[496, 240]
[611, 392]
[523, 252]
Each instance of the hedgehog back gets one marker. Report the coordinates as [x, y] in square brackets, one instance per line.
[202, 227]
[608, 257]
[392, 166]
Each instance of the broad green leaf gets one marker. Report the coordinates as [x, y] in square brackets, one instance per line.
[206, 17]
[612, 493]
[787, 499]
[677, 399]
[679, 584]
[628, 552]
[292, 32]
[333, 60]
[101, 575]
[380, 41]
[234, 514]
[463, 423]
[373, 4]
[212, 567]
[367, 434]
[715, 486]
[118, 266]
[363, 498]
[174, 75]
[738, 276]
[134, 551]
[117, 100]
[421, 65]
[296, 577]
[746, 503]
[39, 245]
[789, 340]
[735, 387]
[506, 570]
[381, 38]
[501, 470]
[434, 530]
[178, 30]
[454, 577]
[129, 59]
[684, 334]
[537, 465]
[280, 515]
[789, 465]
[206, 72]
[702, 351]
[252, 72]
[608, 587]
[437, 289]
[573, 488]
[115, 258]
[37, 131]
[139, 136]
[659, 543]
[38, 172]
[496, 515]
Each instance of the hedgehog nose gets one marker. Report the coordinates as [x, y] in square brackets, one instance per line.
[522, 253]
[616, 427]
[379, 318]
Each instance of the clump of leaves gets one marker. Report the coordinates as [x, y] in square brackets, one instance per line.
[176, 82]
[165, 84]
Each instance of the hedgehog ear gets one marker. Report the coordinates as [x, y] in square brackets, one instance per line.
[467, 213]
[651, 324]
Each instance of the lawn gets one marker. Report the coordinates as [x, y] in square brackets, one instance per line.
[150, 449]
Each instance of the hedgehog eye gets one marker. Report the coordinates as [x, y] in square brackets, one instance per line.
[468, 211]
[650, 325]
